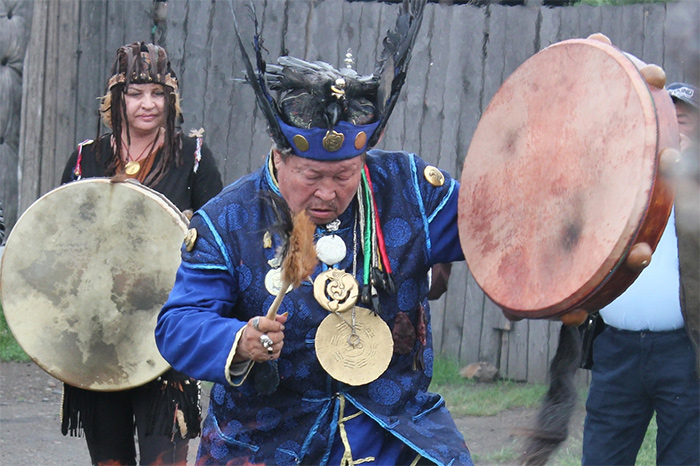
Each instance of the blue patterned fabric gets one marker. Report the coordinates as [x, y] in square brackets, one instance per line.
[220, 286]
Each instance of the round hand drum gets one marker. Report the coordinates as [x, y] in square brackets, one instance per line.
[85, 272]
[563, 195]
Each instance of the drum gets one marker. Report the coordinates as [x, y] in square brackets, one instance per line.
[85, 272]
[566, 187]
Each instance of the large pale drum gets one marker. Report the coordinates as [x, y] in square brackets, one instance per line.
[563, 186]
[86, 270]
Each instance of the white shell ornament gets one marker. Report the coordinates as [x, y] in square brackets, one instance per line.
[331, 249]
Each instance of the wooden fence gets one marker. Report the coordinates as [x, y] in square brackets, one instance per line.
[461, 57]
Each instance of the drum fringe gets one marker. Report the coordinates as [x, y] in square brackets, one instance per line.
[552, 422]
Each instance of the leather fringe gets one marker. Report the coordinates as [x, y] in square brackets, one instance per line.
[174, 400]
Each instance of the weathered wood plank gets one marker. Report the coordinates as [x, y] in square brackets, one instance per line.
[437, 88]
[33, 108]
[46, 174]
[196, 62]
[611, 19]
[15, 26]
[653, 34]
[465, 76]
[394, 137]
[682, 53]
[90, 84]
[494, 325]
[473, 326]
[454, 333]
[66, 89]
[569, 24]
[538, 350]
[518, 349]
[590, 20]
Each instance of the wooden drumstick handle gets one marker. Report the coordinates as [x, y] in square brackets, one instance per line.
[274, 307]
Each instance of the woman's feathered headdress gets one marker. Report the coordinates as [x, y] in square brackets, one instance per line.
[324, 113]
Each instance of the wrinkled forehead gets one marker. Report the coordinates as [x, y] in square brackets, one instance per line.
[324, 167]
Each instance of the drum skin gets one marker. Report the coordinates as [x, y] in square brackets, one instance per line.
[86, 270]
[561, 180]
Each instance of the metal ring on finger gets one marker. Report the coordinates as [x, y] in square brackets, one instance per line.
[267, 342]
[256, 322]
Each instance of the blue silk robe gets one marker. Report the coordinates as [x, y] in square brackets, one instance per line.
[220, 286]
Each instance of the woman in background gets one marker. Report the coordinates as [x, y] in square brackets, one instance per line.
[142, 108]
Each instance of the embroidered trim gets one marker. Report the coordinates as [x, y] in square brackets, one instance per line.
[419, 199]
[413, 446]
[347, 460]
[444, 200]
[239, 378]
[218, 240]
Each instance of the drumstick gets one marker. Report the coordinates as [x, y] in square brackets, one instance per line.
[299, 261]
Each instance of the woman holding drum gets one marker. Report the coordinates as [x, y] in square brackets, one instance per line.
[141, 106]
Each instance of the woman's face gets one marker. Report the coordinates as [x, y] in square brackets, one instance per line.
[323, 189]
[145, 108]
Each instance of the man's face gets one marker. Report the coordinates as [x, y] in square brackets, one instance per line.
[323, 189]
[688, 124]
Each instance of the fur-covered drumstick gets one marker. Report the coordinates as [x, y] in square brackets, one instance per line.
[299, 260]
[298, 263]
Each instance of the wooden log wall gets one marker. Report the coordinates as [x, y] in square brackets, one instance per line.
[15, 26]
[462, 55]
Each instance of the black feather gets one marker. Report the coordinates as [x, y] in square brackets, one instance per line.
[393, 62]
[257, 80]
[283, 223]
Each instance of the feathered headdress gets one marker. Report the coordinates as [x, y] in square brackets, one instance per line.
[324, 113]
[142, 63]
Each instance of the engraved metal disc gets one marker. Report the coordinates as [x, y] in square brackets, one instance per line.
[354, 359]
[331, 249]
[336, 290]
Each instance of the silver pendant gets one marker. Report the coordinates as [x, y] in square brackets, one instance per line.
[331, 249]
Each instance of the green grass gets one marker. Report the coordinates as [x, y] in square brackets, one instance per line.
[468, 398]
[9, 349]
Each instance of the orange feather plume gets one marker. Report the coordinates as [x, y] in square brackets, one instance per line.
[300, 260]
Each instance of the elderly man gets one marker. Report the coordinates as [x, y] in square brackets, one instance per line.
[340, 376]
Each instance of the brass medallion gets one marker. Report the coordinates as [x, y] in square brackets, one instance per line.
[301, 142]
[132, 167]
[354, 357]
[360, 140]
[434, 176]
[333, 140]
[190, 239]
[336, 290]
